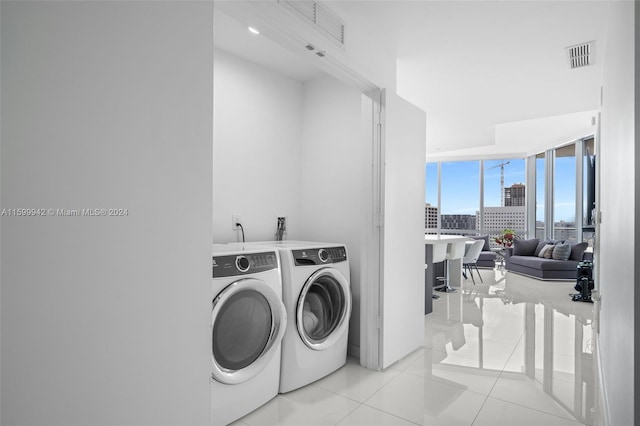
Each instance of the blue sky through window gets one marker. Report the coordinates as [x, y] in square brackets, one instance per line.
[461, 185]
[564, 190]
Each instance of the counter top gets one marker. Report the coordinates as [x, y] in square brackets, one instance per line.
[441, 239]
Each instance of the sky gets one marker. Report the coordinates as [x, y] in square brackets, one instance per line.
[461, 185]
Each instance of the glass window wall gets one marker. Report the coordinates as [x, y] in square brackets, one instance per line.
[455, 198]
[504, 197]
[564, 193]
[460, 196]
[540, 195]
[459, 199]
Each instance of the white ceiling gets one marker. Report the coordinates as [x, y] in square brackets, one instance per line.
[473, 66]
[233, 36]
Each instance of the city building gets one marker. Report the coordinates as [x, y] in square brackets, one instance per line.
[430, 216]
[459, 221]
[498, 218]
[514, 195]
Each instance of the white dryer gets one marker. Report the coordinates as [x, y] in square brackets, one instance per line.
[317, 295]
[248, 321]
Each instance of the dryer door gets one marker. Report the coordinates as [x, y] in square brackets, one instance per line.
[248, 321]
[324, 308]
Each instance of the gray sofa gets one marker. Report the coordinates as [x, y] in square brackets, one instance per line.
[524, 258]
[487, 258]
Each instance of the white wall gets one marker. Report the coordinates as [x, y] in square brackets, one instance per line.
[284, 148]
[617, 256]
[257, 116]
[403, 290]
[105, 320]
[334, 159]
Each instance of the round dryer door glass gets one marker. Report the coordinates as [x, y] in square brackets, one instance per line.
[323, 308]
[248, 321]
[242, 330]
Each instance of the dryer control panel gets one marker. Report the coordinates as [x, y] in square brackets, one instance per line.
[242, 264]
[319, 256]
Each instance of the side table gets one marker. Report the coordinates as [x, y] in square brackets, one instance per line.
[499, 251]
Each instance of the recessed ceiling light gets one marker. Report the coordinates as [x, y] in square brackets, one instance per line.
[254, 31]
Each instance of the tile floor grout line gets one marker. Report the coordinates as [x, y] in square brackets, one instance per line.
[380, 390]
[504, 367]
[349, 413]
[391, 414]
[355, 400]
[573, 419]
[480, 410]
[335, 393]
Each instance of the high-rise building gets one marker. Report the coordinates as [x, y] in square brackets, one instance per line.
[498, 218]
[514, 195]
[459, 221]
[430, 216]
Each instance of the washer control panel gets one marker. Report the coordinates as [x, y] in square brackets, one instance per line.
[319, 256]
[243, 264]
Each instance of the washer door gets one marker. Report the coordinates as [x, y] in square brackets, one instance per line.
[323, 310]
[248, 321]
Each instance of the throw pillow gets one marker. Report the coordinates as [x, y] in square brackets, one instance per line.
[525, 247]
[543, 243]
[540, 246]
[577, 251]
[544, 249]
[561, 252]
[548, 254]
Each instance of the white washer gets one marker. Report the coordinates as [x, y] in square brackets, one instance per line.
[317, 295]
[248, 321]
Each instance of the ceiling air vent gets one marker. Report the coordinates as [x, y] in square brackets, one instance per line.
[318, 15]
[581, 55]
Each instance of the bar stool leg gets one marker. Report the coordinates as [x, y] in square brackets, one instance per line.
[446, 288]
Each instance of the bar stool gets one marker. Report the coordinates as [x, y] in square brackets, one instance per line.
[439, 255]
[454, 251]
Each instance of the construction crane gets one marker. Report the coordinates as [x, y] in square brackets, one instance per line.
[501, 165]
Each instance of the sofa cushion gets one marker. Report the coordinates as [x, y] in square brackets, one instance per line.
[535, 262]
[486, 246]
[486, 259]
[525, 247]
[561, 252]
[487, 255]
[577, 251]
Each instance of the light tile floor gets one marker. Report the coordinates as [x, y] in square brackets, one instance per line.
[509, 351]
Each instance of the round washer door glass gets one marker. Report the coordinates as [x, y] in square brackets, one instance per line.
[248, 321]
[324, 307]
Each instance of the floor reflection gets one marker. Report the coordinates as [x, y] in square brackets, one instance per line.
[516, 339]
